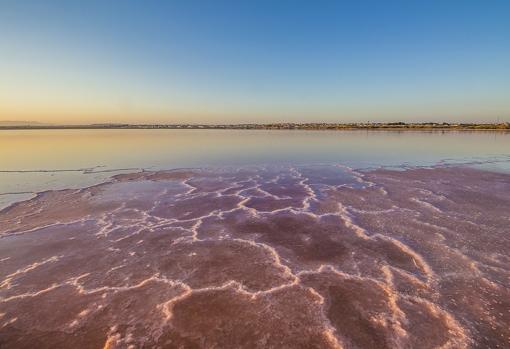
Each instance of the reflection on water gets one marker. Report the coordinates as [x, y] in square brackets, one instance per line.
[92, 155]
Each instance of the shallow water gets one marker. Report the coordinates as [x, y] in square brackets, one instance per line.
[35, 160]
[268, 239]
[271, 256]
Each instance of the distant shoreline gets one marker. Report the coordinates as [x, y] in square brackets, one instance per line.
[398, 126]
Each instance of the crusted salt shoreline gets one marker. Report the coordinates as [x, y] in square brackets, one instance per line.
[281, 256]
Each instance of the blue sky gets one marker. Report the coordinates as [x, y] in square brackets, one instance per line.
[254, 61]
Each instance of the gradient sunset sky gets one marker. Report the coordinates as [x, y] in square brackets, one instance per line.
[254, 61]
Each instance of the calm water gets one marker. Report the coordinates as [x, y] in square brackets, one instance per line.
[35, 160]
[307, 254]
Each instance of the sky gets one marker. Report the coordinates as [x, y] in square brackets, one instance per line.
[100, 61]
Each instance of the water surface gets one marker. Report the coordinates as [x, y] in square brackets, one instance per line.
[267, 239]
[36, 160]
[273, 256]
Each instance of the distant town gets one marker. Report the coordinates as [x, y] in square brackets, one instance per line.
[278, 126]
